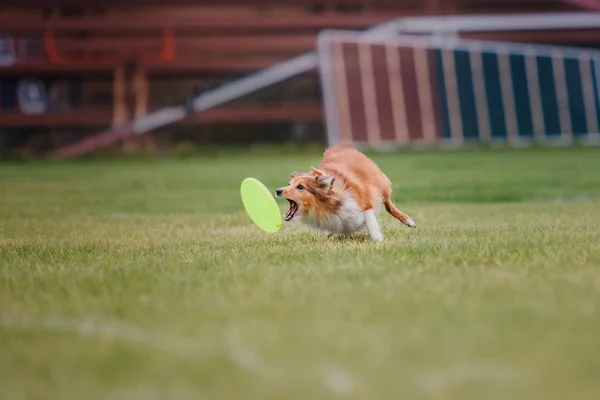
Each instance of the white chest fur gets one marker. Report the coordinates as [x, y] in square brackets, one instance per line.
[347, 220]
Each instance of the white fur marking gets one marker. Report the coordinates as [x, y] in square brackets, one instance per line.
[373, 226]
[377, 204]
[346, 221]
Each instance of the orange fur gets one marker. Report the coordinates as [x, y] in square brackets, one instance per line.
[338, 194]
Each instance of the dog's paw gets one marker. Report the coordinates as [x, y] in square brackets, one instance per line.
[410, 223]
[377, 238]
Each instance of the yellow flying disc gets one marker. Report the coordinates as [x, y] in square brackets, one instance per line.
[260, 205]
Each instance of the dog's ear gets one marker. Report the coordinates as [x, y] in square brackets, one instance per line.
[322, 179]
[325, 181]
[316, 171]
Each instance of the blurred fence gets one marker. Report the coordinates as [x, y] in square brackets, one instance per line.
[405, 90]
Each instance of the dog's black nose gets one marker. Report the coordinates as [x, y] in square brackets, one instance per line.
[279, 192]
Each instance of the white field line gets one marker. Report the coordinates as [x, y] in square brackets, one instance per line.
[335, 378]
[108, 330]
[443, 381]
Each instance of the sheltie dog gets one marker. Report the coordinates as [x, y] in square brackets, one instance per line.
[343, 195]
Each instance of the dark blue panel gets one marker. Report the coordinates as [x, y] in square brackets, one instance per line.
[8, 94]
[441, 90]
[548, 95]
[493, 89]
[595, 77]
[521, 95]
[575, 95]
[466, 94]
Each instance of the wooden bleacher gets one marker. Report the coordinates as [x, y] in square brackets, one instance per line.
[128, 50]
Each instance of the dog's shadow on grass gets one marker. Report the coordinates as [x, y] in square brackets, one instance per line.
[359, 237]
[356, 238]
[312, 238]
[309, 238]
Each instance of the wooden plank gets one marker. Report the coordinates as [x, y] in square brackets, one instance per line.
[508, 4]
[258, 113]
[204, 44]
[210, 24]
[79, 117]
[514, 4]
[592, 5]
[222, 66]
[433, 6]
[141, 91]
[120, 109]
[90, 117]
[135, 3]
[260, 22]
[211, 66]
[44, 67]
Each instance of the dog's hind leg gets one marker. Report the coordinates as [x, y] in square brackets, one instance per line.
[373, 225]
[391, 208]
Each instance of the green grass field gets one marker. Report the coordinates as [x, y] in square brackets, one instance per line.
[145, 279]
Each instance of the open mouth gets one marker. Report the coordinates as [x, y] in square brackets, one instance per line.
[292, 211]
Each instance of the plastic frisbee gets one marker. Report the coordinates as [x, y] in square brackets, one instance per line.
[260, 205]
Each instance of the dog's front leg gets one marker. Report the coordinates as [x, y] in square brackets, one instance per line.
[373, 225]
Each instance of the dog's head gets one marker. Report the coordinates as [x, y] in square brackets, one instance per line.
[307, 192]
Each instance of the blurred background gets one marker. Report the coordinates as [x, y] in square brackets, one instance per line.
[71, 70]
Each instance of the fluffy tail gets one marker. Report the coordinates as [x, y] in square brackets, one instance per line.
[399, 215]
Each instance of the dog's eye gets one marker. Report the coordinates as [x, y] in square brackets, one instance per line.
[300, 187]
